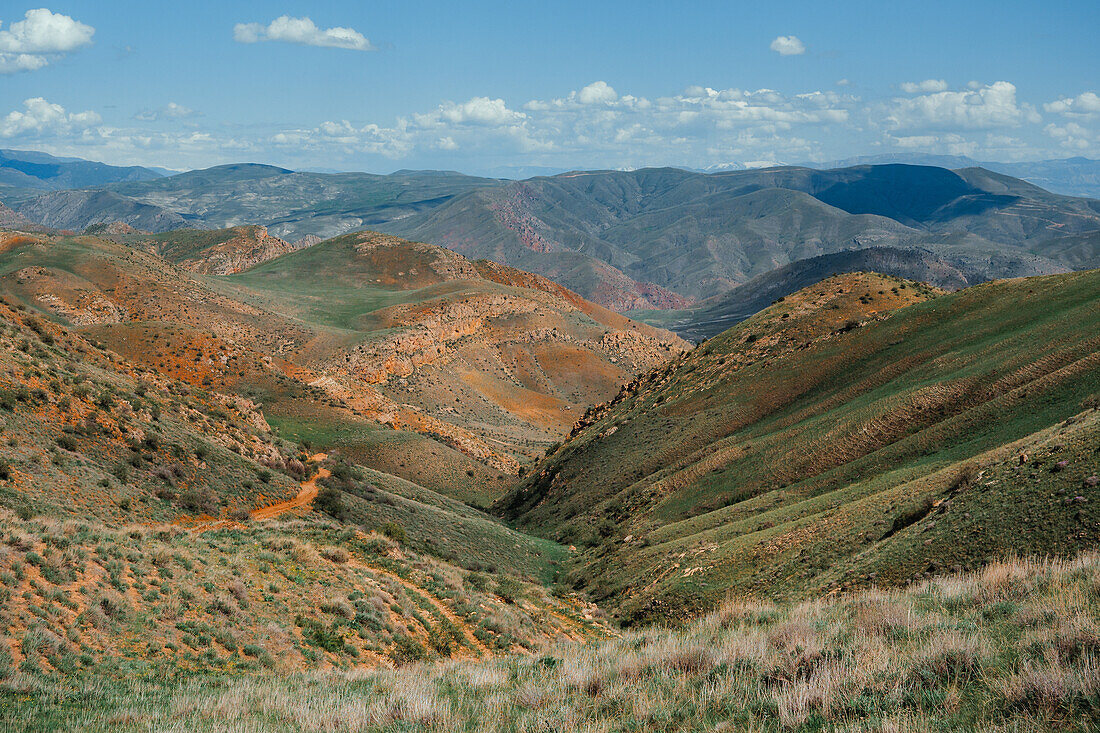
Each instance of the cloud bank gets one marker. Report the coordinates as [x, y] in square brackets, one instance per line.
[597, 125]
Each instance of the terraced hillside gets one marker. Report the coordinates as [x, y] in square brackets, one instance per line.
[366, 342]
[822, 445]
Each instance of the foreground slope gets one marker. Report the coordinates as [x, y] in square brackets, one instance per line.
[148, 525]
[804, 451]
[1011, 648]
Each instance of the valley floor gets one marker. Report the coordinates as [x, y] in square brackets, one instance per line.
[1013, 647]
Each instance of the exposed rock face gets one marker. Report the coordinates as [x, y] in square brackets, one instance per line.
[249, 247]
[307, 241]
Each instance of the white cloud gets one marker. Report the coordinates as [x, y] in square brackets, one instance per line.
[598, 92]
[1086, 103]
[1073, 136]
[41, 37]
[10, 63]
[981, 107]
[928, 85]
[843, 82]
[303, 31]
[170, 111]
[39, 116]
[593, 126]
[788, 46]
[476, 111]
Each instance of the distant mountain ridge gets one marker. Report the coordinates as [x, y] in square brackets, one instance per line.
[1076, 176]
[699, 235]
[655, 238]
[34, 170]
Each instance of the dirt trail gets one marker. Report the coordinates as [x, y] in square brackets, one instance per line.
[305, 496]
[458, 621]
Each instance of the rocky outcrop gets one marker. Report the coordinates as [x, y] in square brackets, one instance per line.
[250, 246]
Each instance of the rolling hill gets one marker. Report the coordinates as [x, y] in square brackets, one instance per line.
[628, 240]
[1068, 176]
[863, 430]
[296, 204]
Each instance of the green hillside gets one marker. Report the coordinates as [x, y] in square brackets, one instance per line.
[798, 453]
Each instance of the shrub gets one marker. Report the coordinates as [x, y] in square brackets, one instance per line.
[394, 531]
[508, 589]
[331, 502]
[407, 649]
[335, 554]
[199, 500]
[442, 640]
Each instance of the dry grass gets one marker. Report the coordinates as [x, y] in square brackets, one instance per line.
[1010, 648]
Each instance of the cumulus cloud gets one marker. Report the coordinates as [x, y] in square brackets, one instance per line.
[1073, 136]
[598, 92]
[596, 126]
[302, 31]
[41, 37]
[170, 111]
[788, 46]
[1086, 103]
[477, 111]
[39, 116]
[978, 107]
[928, 85]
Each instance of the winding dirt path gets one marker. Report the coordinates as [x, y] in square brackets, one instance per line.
[305, 496]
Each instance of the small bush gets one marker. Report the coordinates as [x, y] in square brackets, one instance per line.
[331, 502]
[335, 554]
[407, 649]
[394, 531]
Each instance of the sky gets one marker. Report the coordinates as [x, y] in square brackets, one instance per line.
[485, 86]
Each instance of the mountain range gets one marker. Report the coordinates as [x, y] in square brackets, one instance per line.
[634, 241]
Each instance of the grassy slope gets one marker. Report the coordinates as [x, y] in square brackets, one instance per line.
[1012, 648]
[759, 464]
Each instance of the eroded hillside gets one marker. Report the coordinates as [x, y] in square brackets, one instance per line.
[409, 357]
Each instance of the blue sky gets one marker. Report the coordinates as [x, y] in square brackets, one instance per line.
[478, 86]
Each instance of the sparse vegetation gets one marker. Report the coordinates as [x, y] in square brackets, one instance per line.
[1013, 647]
